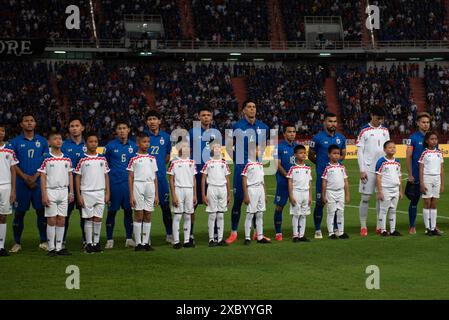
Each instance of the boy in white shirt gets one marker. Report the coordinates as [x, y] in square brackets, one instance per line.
[431, 178]
[143, 192]
[57, 192]
[8, 160]
[300, 193]
[182, 181]
[254, 196]
[92, 188]
[389, 188]
[335, 192]
[216, 175]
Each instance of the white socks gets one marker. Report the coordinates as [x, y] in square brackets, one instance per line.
[259, 225]
[88, 230]
[340, 222]
[330, 221]
[97, 232]
[59, 237]
[363, 212]
[377, 213]
[211, 225]
[187, 224]
[2, 235]
[137, 229]
[51, 234]
[433, 219]
[146, 229]
[248, 222]
[382, 220]
[176, 221]
[426, 218]
[220, 225]
[299, 225]
[392, 218]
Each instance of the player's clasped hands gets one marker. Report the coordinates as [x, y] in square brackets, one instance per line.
[364, 177]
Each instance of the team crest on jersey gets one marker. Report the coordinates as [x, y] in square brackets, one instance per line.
[84, 149]
[7, 157]
[258, 131]
[38, 144]
[222, 166]
[52, 165]
[130, 150]
[338, 140]
[162, 141]
[101, 164]
[66, 165]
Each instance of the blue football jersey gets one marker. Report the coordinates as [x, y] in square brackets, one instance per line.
[285, 153]
[320, 144]
[199, 142]
[416, 141]
[30, 153]
[160, 147]
[118, 155]
[73, 151]
[251, 133]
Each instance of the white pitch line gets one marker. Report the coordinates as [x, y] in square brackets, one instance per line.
[357, 207]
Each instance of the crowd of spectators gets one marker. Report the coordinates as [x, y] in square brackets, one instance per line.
[26, 87]
[437, 85]
[295, 11]
[412, 20]
[231, 20]
[359, 89]
[288, 94]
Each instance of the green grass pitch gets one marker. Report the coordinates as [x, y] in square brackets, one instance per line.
[411, 267]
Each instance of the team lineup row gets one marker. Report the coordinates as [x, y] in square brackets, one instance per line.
[133, 175]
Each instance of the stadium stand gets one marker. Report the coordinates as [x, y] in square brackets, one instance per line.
[437, 85]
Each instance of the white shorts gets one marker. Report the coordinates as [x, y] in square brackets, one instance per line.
[59, 201]
[5, 193]
[302, 203]
[391, 198]
[370, 186]
[144, 194]
[217, 197]
[93, 204]
[256, 199]
[335, 200]
[433, 185]
[185, 200]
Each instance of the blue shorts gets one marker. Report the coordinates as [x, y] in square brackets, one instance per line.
[26, 195]
[237, 183]
[199, 194]
[119, 196]
[163, 190]
[281, 192]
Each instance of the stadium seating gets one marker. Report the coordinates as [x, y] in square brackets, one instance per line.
[437, 85]
[359, 89]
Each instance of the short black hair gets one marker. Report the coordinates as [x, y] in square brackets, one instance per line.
[54, 133]
[329, 115]
[91, 134]
[378, 111]
[289, 125]
[423, 115]
[75, 118]
[387, 143]
[245, 103]
[204, 108]
[333, 147]
[142, 135]
[121, 121]
[26, 114]
[153, 113]
[298, 148]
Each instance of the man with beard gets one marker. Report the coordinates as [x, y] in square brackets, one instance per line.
[318, 154]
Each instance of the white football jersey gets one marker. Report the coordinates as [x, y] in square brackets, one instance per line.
[301, 176]
[335, 175]
[370, 142]
[390, 172]
[92, 170]
[216, 171]
[431, 160]
[144, 167]
[253, 171]
[184, 171]
[7, 160]
[57, 169]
